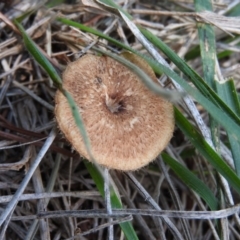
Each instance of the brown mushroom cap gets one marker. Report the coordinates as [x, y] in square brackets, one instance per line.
[127, 124]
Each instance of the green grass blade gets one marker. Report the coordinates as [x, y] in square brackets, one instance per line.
[234, 12]
[53, 3]
[78, 120]
[47, 66]
[206, 151]
[111, 6]
[192, 181]
[226, 90]
[235, 149]
[38, 56]
[93, 31]
[229, 94]
[195, 51]
[189, 72]
[115, 201]
[207, 44]
[203, 5]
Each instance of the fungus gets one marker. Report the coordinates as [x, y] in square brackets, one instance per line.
[127, 124]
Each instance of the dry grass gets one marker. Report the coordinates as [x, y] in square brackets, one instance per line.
[61, 181]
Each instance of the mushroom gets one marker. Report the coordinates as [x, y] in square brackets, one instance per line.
[127, 124]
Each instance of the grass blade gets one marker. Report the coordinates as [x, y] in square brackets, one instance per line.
[192, 181]
[206, 151]
[193, 76]
[207, 44]
[115, 201]
[38, 56]
[229, 94]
